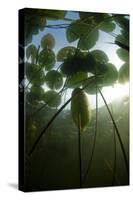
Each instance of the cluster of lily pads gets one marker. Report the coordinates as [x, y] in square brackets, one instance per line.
[78, 64]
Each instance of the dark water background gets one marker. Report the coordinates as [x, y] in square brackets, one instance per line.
[55, 162]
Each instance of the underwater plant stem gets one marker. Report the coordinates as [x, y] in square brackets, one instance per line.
[117, 132]
[79, 151]
[114, 164]
[94, 142]
[53, 118]
[114, 167]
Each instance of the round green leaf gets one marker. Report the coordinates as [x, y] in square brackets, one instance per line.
[124, 73]
[52, 98]
[88, 39]
[111, 75]
[35, 94]
[31, 52]
[54, 79]
[91, 88]
[31, 70]
[48, 41]
[65, 53]
[72, 65]
[75, 30]
[35, 74]
[46, 59]
[39, 79]
[107, 26]
[123, 54]
[100, 56]
[76, 80]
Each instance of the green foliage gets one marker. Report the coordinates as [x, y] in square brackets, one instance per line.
[80, 108]
[111, 75]
[36, 94]
[88, 40]
[75, 30]
[123, 54]
[124, 73]
[100, 56]
[48, 41]
[107, 26]
[80, 62]
[46, 59]
[77, 79]
[52, 98]
[65, 53]
[36, 20]
[54, 79]
[86, 34]
[31, 52]
[34, 74]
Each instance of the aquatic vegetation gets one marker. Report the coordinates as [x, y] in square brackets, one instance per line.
[80, 69]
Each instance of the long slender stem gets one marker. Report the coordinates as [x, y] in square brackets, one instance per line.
[117, 132]
[94, 142]
[53, 118]
[79, 151]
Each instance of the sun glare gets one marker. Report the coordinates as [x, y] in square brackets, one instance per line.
[118, 91]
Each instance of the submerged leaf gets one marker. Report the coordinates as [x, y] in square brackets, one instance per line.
[80, 108]
[52, 98]
[35, 94]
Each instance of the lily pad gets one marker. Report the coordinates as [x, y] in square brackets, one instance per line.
[77, 79]
[65, 53]
[52, 98]
[54, 79]
[123, 54]
[31, 52]
[48, 41]
[100, 56]
[124, 73]
[46, 59]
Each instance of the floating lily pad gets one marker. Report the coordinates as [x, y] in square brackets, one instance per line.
[100, 56]
[54, 79]
[77, 79]
[107, 26]
[65, 53]
[48, 41]
[124, 73]
[123, 54]
[31, 52]
[46, 59]
[111, 75]
[35, 74]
